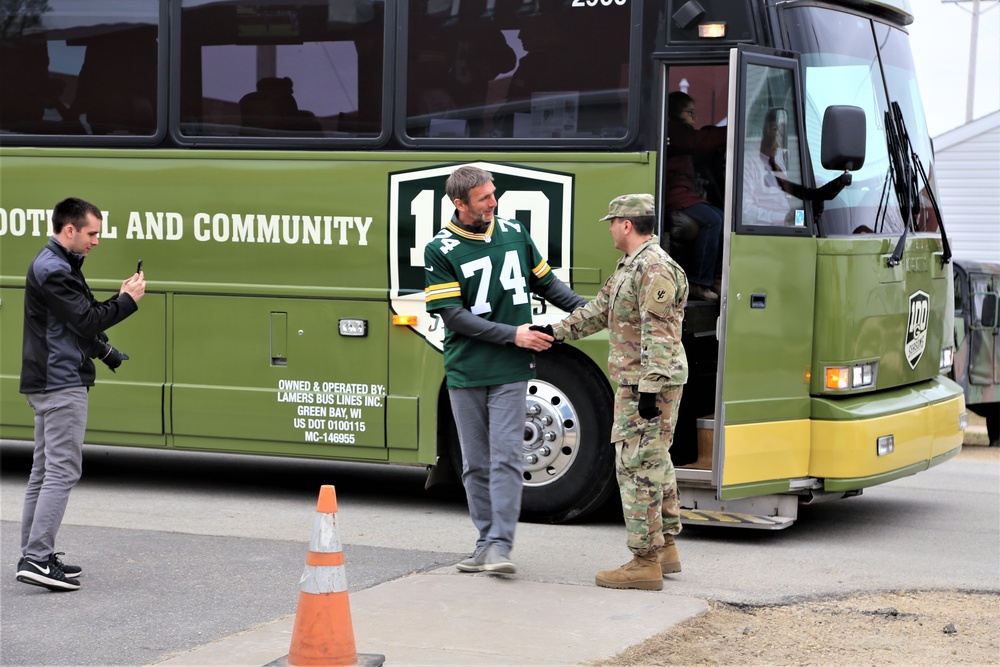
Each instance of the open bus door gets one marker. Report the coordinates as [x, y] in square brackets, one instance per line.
[761, 422]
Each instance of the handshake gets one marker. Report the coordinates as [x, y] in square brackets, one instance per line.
[547, 330]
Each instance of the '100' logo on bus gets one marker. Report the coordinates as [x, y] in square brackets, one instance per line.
[419, 208]
[916, 329]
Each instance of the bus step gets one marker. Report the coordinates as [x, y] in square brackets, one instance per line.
[734, 519]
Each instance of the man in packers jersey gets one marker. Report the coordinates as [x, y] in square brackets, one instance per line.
[642, 307]
[480, 272]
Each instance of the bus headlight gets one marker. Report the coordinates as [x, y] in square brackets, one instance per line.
[858, 376]
[885, 445]
[947, 359]
[863, 375]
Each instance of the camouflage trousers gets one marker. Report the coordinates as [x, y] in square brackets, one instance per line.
[645, 472]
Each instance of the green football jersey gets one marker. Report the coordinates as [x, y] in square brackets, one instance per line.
[491, 274]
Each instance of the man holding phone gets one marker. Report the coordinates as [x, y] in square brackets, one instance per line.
[63, 331]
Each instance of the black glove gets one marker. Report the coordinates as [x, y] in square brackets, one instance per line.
[547, 330]
[113, 358]
[647, 405]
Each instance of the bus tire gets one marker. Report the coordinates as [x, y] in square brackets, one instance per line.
[568, 459]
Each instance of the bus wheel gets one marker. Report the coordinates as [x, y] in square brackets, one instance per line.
[568, 461]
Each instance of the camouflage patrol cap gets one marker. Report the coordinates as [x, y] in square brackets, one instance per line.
[630, 206]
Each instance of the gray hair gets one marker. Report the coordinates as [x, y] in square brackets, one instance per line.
[464, 179]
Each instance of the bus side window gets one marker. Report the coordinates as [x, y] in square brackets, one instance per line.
[86, 81]
[282, 70]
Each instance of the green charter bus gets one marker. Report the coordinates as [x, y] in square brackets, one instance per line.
[278, 165]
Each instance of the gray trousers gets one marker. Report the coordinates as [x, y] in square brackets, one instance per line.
[60, 424]
[491, 431]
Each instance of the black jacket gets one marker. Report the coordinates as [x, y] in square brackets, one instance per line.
[63, 323]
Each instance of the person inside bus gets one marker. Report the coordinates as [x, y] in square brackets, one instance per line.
[767, 198]
[273, 107]
[116, 89]
[683, 193]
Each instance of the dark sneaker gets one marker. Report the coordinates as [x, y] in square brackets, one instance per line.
[71, 571]
[47, 574]
[473, 563]
[497, 560]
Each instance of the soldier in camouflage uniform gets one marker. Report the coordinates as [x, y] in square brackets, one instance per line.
[642, 307]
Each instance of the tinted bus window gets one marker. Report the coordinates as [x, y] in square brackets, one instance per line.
[309, 68]
[507, 69]
[74, 68]
[771, 165]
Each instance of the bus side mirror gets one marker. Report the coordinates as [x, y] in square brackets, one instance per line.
[989, 311]
[843, 138]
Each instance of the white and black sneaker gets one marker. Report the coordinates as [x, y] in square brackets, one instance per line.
[71, 571]
[47, 574]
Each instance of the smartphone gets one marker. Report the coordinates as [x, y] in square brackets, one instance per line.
[138, 268]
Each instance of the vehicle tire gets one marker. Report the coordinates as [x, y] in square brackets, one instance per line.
[568, 458]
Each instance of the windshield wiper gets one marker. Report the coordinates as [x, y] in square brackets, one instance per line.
[905, 166]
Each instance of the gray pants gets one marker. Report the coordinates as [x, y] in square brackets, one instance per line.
[491, 431]
[60, 424]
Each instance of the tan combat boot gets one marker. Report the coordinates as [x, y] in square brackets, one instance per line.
[642, 572]
[669, 559]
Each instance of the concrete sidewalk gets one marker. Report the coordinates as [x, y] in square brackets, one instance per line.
[444, 618]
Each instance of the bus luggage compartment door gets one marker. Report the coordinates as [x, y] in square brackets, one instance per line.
[280, 375]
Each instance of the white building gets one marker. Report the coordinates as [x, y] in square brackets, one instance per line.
[967, 168]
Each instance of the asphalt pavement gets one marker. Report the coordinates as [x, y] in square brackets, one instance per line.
[162, 598]
[158, 591]
[195, 560]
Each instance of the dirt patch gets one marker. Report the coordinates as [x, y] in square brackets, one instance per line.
[902, 628]
[914, 628]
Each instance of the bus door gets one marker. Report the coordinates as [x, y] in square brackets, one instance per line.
[762, 426]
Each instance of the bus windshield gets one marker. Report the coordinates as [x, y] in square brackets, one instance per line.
[849, 59]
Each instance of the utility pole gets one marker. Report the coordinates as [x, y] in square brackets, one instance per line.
[973, 46]
[970, 95]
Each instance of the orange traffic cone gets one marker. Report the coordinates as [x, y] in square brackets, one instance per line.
[323, 633]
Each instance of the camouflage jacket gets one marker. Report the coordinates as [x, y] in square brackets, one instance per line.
[642, 307]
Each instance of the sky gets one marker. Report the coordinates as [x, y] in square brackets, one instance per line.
[941, 35]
